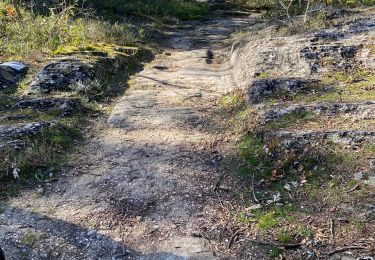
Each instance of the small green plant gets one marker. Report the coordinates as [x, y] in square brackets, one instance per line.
[284, 236]
[359, 224]
[288, 120]
[264, 75]
[243, 218]
[305, 232]
[275, 252]
[268, 221]
[233, 101]
[30, 238]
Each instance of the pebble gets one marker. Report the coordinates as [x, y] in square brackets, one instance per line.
[90, 233]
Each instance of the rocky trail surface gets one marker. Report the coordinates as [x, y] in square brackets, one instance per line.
[144, 181]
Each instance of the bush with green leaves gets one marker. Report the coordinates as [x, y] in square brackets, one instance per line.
[290, 8]
[182, 9]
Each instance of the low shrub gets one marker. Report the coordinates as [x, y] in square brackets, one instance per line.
[290, 8]
[33, 34]
[182, 9]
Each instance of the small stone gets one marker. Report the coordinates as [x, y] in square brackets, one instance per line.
[90, 233]
[40, 190]
[295, 184]
[358, 176]
[288, 187]
[370, 181]
[256, 206]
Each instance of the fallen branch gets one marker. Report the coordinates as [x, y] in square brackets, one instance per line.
[343, 249]
[332, 225]
[354, 188]
[233, 239]
[253, 189]
[216, 187]
[286, 246]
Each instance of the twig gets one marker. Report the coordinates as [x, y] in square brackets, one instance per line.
[286, 246]
[332, 228]
[221, 203]
[252, 184]
[343, 249]
[354, 188]
[216, 187]
[233, 238]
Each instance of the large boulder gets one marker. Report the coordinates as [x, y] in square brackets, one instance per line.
[60, 75]
[11, 73]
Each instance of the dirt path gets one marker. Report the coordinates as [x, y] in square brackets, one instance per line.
[143, 184]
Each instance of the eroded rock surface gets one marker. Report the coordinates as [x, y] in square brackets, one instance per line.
[13, 136]
[262, 88]
[22, 130]
[360, 111]
[66, 106]
[308, 57]
[349, 137]
[60, 75]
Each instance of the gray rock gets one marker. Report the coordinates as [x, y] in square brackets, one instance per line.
[14, 117]
[349, 52]
[60, 75]
[327, 36]
[362, 25]
[11, 73]
[15, 144]
[66, 106]
[22, 130]
[360, 110]
[370, 181]
[263, 88]
[348, 137]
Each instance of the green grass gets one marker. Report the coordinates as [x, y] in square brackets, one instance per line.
[291, 119]
[40, 160]
[284, 236]
[182, 9]
[354, 86]
[269, 217]
[30, 238]
[268, 221]
[35, 35]
[43, 151]
[275, 252]
[305, 232]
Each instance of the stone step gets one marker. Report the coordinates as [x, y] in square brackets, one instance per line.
[361, 110]
[22, 129]
[348, 137]
[65, 106]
